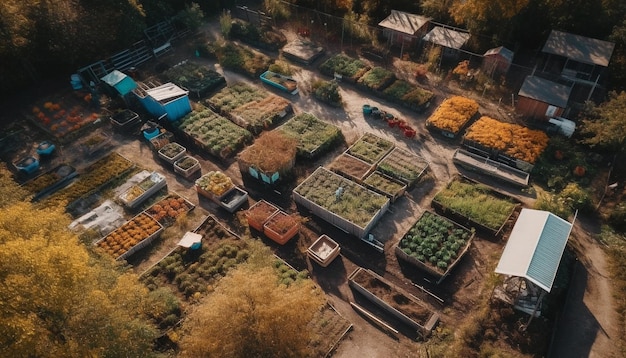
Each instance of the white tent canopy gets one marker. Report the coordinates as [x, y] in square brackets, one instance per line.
[535, 247]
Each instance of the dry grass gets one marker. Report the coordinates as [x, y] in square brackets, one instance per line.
[273, 151]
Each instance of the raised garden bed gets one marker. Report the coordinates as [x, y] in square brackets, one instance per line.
[324, 250]
[219, 188]
[93, 178]
[370, 148]
[124, 119]
[171, 152]
[186, 166]
[351, 167]
[64, 116]
[214, 133]
[138, 193]
[243, 60]
[434, 244]
[159, 141]
[327, 92]
[50, 181]
[408, 95]
[271, 157]
[482, 164]
[131, 237]
[282, 82]
[199, 80]
[341, 202]
[191, 271]
[475, 205]
[281, 227]
[520, 146]
[168, 209]
[93, 143]
[452, 115]
[233, 96]
[385, 185]
[348, 68]
[259, 213]
[314, 136]
[302, 51]
[377, 79]
[403, 165]
[394, 300]
[262, 114]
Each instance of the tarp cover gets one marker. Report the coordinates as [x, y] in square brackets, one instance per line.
[189, 239]
[120, 81]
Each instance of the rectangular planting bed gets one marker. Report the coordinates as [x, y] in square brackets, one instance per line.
[199, 80]
[452, 116]
[141, 191]
[341, 202]
[213, 133]
[124, 119]
[302, 51]
[283, 83]
[186, 166]
[219, 188]
[351, 167]
[394, 301]
[408, 95]
[50, 181]
[403, 165]
[259, 213]
[370, 148]
[385, 185]
[434, 244]
[314, 135]
[475, 205]
[281, 227]
[324, 250]
[168, 209]
[131, 237]
[348, 68]
[171, 152]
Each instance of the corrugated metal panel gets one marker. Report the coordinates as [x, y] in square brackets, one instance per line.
[549, 251]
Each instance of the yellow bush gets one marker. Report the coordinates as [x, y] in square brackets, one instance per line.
[453, 114]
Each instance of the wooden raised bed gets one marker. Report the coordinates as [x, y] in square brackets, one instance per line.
[50, 181]
[131, 237]
[281, 227]
[385, 185]
[324, 250]
[314, 135]
[434, 244]
[168, 209]
[394, 300]
[370, 148]
[452, 116]
[475, 205]
[351, 167]
[171, 152]
[403, 165]
[186, 166]
[341, 202]
[259, 213]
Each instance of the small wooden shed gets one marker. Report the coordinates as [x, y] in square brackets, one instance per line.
[401, 28]
[496, 61]
[542, 99]
[450, 39]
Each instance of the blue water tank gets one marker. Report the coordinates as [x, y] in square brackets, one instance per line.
[76, 82]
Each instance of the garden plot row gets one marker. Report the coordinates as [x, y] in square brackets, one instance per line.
[378, 80]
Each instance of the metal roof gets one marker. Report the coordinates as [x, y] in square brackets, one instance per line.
[447, 37]
[541, 89]
[502, 51]
[404, 22]
[166, 92]
[579, 48]
[535, 247]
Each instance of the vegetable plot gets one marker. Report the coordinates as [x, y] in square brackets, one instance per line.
[273, 152]
[408, 95]
[130, 237]
[314, 136]
[377, 79]
[370, 148]
[199, 80]
[214, 184]
[168, 209]
[403, 165]
[351, 69]
[434, 244]
[243, 60]
[233, 96]
[258, 115]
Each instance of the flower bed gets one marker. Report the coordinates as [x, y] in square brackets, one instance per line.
[385, 185]
[258, 214]
[63, 116]
[214, 184]
[92, 178]
[370, 148]
[434, 244]
[50, 181]
[130, 237]
[452, 115]
[168, 209]
[351, 167]
[171, 152]
[243, 60]
[281, 227]
[214, 133]
[341, 201]
[314, 136]
[408, 95]
[509, 139]
[190, 272]
[476, 204]
[403, 165]
[394, 300]
[349, 68]
[377, 79]
[199, 80]
[141, 191]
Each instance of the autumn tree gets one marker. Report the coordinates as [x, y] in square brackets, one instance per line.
[250, 314]
[604, 125]
[57, 300]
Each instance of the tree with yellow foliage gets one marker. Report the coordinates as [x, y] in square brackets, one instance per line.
[57, 300]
